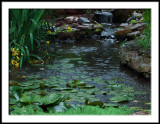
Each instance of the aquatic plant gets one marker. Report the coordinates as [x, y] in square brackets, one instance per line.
[23, 33]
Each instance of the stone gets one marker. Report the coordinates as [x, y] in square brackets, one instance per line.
[138, 15]
[144, 67]
[137, 26]
[82, 20]
[84, 27]
[103, 17]
[122, 32]
[124, 25]
[71, 19]
[133, 34]
[121, 15]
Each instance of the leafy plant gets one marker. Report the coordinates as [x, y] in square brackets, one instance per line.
[23, 34]
[145, 41]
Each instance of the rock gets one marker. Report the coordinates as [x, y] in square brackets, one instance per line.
[138, 26]
[133, 34]
[125, 25]
[71, 19]
[103, 17]
[143, 67]
[121, 15]
[122, 32]
[82, 20]
[137, 15]
[84, 27]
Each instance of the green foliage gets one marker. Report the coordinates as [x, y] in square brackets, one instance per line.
[23, 25]
[145, 41]
[133, 21]
[96, 110]
[125, 41]
[88, 11]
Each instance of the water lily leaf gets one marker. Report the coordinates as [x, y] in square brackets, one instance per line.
[116, 87]
[32, 77]
[27, 110]
[35, 86]
[15, 91]
[140, 93]
[57, 108]
[51, 98]
[101, 93]
[88, 86]
[29, 99]
[12, 101]
[110, 104]
[95, 103]
[122, 97]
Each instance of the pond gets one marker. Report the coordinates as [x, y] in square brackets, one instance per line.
[87, 69]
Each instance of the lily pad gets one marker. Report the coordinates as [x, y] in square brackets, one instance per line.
[110, 104]
[15, 91]
[122, 97]
[27, 110]
[29, 99]
[88, 86]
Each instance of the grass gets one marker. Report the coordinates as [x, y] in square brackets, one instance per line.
[96, 110]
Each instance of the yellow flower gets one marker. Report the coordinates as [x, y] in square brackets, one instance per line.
[14, 62]
[36, 61]
[18, 58]
[14, 54]
[17, 65]
[47, 42]
[69, 29]
[49, 31]
[12, 49]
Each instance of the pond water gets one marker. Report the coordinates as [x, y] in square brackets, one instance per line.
[96, 63]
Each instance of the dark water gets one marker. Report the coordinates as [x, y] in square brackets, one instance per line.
[101, 59]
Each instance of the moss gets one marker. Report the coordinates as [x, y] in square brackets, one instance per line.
[97, 30]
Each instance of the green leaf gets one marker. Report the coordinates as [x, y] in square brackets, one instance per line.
[33, 55]
[31, 39]
[28, 110]
[16, 91]
[27, 53]
[11, 30]
[51, 98]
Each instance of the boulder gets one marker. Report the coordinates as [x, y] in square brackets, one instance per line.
[125, 25]
[82, 20]
[122, 32]
[121, 15]
[138, 26]
[71, 19]
[133, 34]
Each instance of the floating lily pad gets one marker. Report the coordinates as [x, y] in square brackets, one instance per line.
[88, 86]
[116, 87]
[140, 93]
[58, 108]
[101, 93]
[15, 91]
[27, 110]
[110, 104]
[30, 98]
[122, 97]
[32, 77]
